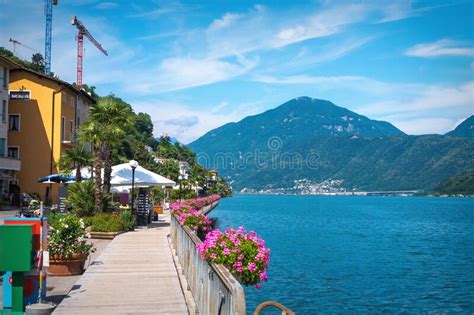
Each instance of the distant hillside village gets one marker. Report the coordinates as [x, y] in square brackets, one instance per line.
[39, 123]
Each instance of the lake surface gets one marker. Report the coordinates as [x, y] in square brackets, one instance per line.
[345, 254]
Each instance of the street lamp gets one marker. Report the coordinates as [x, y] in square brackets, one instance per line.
[180, 178]
[133, 164]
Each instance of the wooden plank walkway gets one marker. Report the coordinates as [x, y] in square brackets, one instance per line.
[134, 275]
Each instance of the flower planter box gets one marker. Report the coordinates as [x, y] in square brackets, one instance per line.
[104, 235]
[67, 266]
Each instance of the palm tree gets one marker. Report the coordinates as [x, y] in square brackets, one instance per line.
[91, 132]
[105, 128]
[75, 158]
[114, 116]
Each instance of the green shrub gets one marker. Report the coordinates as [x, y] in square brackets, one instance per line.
[128, 220]
[81, 198]
[105, 222]
[87, 221]
[54, 217]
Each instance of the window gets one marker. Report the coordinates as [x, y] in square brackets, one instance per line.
[72, 130]
[5, 77]
[20, 95]
[14, 122]
[63, 129]
[2, 146]
[13, 153]
[4, 111]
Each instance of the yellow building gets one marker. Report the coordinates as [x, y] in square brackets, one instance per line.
[46, 113]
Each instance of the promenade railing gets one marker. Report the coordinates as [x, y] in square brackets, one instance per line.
[214, 288]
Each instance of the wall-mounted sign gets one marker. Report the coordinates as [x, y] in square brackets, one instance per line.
[19, 95]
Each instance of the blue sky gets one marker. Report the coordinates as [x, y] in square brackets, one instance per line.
[194, 66]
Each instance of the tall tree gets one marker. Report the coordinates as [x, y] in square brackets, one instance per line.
[114, 116]
[75, 158]
[37, 62]
[92, 132]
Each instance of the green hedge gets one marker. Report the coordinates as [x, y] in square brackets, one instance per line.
[106, 222]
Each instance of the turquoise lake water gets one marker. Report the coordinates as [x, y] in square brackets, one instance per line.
[344, 254]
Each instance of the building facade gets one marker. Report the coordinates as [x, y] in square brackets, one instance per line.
[9, 164]
[46, 112]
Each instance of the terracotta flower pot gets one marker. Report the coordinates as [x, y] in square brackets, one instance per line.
[61, 266]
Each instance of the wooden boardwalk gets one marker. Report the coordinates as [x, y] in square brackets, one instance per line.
[134, 275]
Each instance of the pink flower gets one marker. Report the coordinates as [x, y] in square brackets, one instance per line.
[252, 267]
[258, 286]
[237, 265]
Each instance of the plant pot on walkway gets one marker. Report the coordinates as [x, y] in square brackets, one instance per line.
[61, 266]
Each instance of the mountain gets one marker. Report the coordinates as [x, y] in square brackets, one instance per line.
[300, 118]
[460, 184]
[308, 144]
[465, 129]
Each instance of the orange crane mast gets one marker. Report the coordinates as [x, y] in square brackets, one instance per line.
[82, 31]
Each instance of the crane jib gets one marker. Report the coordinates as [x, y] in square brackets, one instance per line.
[82, 31]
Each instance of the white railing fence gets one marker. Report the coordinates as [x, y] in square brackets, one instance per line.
[214, 289]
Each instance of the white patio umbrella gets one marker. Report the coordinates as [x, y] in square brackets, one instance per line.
[122, 176]
[86, 172]
[124, 188]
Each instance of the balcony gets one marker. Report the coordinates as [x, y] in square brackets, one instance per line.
[9, 164]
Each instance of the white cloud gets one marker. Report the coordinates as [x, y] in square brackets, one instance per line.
[183, 121]
[168, 117]
[396, 10]
[219, 107]
[431, 109]
[443, 47]
[258, 29]
[305, 79]
[150, 11]
[226, 20]
[422, 126]
[428, 98]
[107, 5]
[368, 86]
[181, 73]
[327, 22]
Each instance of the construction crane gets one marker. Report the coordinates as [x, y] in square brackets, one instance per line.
[15, 42]
[82, 31]
[48, 11]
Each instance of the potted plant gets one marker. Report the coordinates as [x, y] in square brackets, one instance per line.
[243, 254]
[67, 246]
[196, 221]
